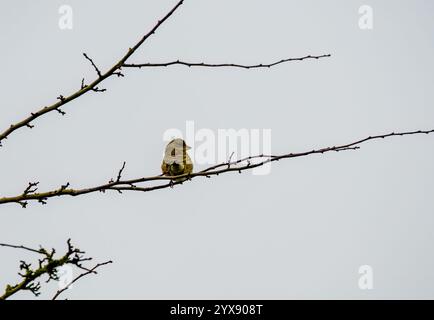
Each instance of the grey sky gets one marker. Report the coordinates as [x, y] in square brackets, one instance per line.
[301, 231]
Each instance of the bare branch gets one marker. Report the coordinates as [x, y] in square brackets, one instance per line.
[90, 271]
[240, 165]
[220, 65]
[93, 86]
[19, 247]
[93, 64]
[47, 265]
[120, 172]
[115, 70]
[29, 189]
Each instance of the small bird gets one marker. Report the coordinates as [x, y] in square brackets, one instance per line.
[176, 161]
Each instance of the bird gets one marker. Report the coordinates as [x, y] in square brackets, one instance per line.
[176, 161]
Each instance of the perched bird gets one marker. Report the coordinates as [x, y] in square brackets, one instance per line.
[176, 161]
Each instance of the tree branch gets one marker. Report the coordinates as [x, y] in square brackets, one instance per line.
[90, 271]
[20, 247]
[219, 65]
[115, 70]
[240, 165]
[93, 86]
[47, 266]
[98, 72]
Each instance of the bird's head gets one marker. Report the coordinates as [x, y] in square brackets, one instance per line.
[176, 147]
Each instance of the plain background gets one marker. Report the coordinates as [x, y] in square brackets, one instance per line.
[301, 232]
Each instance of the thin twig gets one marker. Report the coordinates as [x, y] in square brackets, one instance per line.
[120, 172]
[220, 65]
[90, 271]
[93, 64]
[19, 247]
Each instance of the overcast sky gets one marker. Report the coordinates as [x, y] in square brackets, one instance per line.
[301, 231]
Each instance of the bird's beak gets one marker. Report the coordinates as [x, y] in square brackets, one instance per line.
[187, 147]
